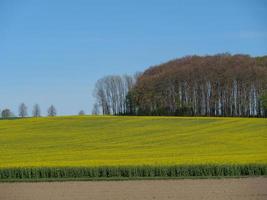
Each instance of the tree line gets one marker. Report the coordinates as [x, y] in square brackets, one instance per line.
[36, 112]
[219, 85]
[23, 111]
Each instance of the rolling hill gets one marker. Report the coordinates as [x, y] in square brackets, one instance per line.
[93, 141]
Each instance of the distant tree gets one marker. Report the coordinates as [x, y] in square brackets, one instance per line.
[81, 112]
[51, 111]
[95, 110]
[23, 110]
[36, 111]
[6, 113]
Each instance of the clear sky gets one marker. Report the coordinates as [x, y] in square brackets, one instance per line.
[53, 51]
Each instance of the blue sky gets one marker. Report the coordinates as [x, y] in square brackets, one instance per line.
[53, 51]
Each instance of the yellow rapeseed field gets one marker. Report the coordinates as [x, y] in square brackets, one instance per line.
[116, 140]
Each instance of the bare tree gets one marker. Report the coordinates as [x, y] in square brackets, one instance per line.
[95, 110]
[23, 110]
[81, 112]
[36, 111]
[111, 93]
[51, 111]
[6, 113]
[101, 95]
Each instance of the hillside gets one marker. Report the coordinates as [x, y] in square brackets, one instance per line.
[131, 141]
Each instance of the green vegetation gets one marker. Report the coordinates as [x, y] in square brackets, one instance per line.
[132, 172]
[103, 146]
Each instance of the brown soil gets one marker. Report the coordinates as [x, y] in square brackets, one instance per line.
[244, 188]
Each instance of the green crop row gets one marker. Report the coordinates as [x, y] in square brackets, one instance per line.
[134, 172]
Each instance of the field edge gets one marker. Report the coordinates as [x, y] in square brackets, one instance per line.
[130, 172]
